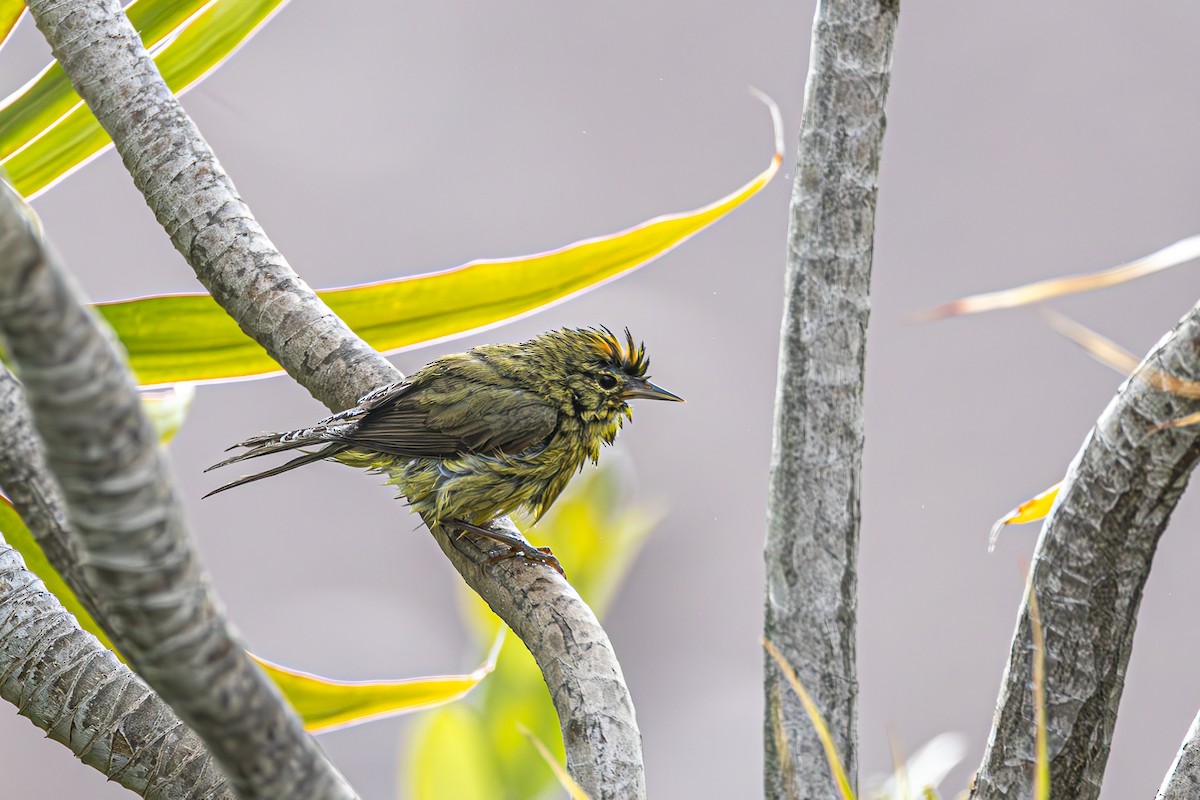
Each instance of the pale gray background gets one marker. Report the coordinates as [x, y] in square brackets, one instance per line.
[1024, 140]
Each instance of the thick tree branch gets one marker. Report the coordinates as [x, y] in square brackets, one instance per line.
[813, 505]
[77, 691]
[126, 517]
[1183, 778]
[1090, 565]
[196, 203]
[73, 688]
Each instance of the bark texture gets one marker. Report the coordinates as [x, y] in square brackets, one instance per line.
[1089, 568]
[77, 691]
[813, 504]
[148, 586]
[1183, 778]
[212, 227]
[66, 682]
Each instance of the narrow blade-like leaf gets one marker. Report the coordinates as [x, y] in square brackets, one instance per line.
[10, 15]
[187, 337]
[326, 704]
[840, 778]
[1170, 256]
[48, 132]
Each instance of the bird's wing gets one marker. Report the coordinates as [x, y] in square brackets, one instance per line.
[443, 418]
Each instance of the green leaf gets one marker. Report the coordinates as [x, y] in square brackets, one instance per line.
[46, 131]
[188, 337]
[10, 15]
[326, 704]
[452, 758]
[19, 536]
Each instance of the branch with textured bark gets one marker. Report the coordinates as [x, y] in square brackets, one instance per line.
[196, 203]
[77, 691]
[126, 519]
[813, 504]
[1090, 565]
[66, 682]
[1183, 778]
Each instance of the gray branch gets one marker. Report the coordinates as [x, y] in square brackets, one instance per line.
[1183, 778]
[73, 688]
[212, 227]
[77, 691]
[813, 504]
[1089, 567]
[127, 519]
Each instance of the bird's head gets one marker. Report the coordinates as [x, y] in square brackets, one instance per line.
[600, 374]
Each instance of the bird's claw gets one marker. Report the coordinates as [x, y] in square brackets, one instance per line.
[542, 555]
[517, 547]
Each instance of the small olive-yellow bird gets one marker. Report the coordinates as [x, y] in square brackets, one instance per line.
[476, 435]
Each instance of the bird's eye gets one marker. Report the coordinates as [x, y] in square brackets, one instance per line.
[607, 381]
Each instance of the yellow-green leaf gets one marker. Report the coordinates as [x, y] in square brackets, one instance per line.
[10, 15]
[451, 758]
[174, 338]
[19, 536]
[327, 704]
[46, 131]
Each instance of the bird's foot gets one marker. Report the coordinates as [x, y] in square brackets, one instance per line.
[517, 546]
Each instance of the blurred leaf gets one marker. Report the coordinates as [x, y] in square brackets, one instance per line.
[188, 337]
[326, 704]
[1029, 511]
[46, 131]
[1113, 355]
[450, 758]
[1041, 773]
[596, 533]
[925, 770]
[574, 790]
[1173, 255]
[10, 15]
[818, 721]
[18, 535]
[167, 408]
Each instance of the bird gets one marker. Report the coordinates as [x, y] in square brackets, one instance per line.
[474, 436]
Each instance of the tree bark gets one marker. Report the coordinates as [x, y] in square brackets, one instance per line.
[1183, 778]
[813, 504]
[212, 227]
[1089, 567]
[127, 520]
[75, 689]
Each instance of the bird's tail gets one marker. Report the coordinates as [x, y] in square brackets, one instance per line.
[275, 443]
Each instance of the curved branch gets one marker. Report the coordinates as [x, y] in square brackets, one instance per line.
[813, 510]
[1090, 565]
[77, 691]
[125, 514]
[208, 223]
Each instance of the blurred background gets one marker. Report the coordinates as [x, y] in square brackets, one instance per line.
[378, 139]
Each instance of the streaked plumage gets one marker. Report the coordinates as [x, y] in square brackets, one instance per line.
[472, 436]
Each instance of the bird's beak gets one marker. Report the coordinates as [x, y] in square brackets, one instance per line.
[648, 391]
